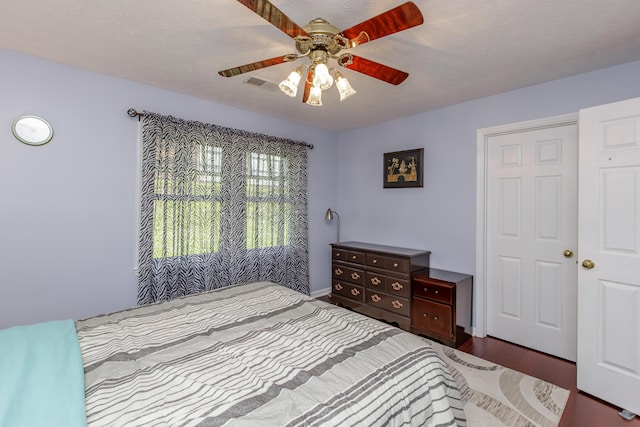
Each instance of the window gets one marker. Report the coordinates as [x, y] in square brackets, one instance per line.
[219, 206]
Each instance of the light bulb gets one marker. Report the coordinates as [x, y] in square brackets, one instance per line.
[290, 85]
[322, 79]
[344, 88]
[315, 97]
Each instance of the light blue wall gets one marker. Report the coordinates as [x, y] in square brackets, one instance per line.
[67, 217]
[441, 216]
[68, 210]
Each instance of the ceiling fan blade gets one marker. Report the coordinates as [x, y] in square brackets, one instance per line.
[307, 85]
[257, 65]
[373, 69]
[268, 11]
[400, 18]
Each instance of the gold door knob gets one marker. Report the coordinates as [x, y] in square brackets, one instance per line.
[567, 253]
[588, 264]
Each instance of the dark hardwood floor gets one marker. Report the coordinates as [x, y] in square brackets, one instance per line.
[581, 410]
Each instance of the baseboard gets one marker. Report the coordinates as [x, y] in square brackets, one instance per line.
[321, 292]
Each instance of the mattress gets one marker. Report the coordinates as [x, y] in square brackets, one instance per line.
[259, 354]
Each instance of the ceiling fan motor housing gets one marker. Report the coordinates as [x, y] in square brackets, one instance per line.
[322, 36]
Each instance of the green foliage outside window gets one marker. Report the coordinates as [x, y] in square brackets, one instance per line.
[188, 209]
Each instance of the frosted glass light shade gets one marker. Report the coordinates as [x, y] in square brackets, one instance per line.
[322, 79]
[344, 88]
[315, 97]
[290, 85]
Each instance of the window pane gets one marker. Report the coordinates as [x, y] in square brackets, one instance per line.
[268, 209]
[185, 228]
[187, 207]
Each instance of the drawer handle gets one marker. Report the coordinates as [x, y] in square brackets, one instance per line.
[339, 272]
[425, 314]
[396, 304]
[337, 254]
[436, 292]
[355, 292]
[375, 281]
[395, 265]
[355, 276]
[338, 287]
[375, 261]
[354, 257]
[375, 298]
[396, 286]
[435, 318]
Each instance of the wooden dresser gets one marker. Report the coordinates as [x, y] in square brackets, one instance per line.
[375, 280]
[442, 305]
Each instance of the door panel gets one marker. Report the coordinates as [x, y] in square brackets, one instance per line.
[609, 229]
[531, 211]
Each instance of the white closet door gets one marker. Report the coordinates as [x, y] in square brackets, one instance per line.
[609, 230]
[530, 223]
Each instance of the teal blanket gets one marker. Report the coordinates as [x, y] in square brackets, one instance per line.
[41, 376]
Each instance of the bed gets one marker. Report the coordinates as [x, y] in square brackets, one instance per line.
[259, 355]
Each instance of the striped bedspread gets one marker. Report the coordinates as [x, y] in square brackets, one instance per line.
[259, 355]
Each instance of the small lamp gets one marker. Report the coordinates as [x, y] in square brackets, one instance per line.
[329, 217]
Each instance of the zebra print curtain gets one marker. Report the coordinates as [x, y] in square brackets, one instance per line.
[219, 206]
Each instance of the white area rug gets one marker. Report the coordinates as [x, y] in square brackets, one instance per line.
[499, 396]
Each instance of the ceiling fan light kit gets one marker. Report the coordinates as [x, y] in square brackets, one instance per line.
[320, 41]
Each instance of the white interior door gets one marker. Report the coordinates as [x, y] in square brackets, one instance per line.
[609, 229]
[531, 211]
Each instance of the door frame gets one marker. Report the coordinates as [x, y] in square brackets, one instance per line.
[480, 306]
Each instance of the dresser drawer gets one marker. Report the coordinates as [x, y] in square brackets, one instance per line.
[348, 290]
[432, 316]
[375, 260]
[399, 287]
[344, 273]
[396, 286]
[401, 265]
[390, 303]
[375, 281]
[349, 256]
[433, 291]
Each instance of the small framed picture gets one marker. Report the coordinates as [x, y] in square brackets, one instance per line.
[403, 169]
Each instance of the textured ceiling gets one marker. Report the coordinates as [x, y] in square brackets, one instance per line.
[465, 49]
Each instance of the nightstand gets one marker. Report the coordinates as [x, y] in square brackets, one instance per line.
[441, 305]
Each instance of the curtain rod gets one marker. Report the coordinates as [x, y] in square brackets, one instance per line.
[132, 112]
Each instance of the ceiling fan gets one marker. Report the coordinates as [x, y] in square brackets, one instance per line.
[321, 41]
